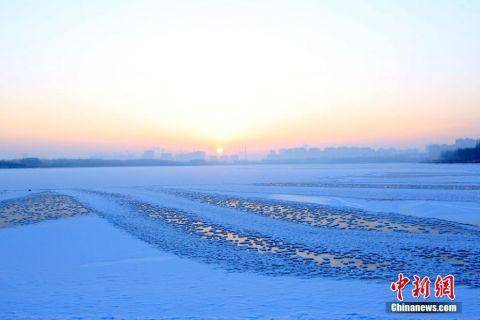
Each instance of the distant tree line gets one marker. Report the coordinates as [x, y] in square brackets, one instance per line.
[21, 163]
[65, 163]
[462, 155]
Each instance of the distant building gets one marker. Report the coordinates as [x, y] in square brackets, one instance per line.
[466, 143]
[114, 156]
[148, 154]
[166, 156]
[304, 154]
[191, 156]
[434, 151]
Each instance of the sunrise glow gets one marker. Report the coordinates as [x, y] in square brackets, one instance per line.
[76, 81]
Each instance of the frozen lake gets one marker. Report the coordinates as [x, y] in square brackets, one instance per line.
[260, 242]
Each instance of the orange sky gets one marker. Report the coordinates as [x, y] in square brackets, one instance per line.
[120, 76]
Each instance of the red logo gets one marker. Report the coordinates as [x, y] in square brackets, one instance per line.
[421, 287]
[399, 285]
[444, 286]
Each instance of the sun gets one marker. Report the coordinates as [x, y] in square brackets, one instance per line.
[219, 150]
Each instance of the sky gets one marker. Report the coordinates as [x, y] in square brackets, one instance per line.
[82, 77]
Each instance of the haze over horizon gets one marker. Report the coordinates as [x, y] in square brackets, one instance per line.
[79, 78]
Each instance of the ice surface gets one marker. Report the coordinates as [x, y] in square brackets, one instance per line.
[151, 250]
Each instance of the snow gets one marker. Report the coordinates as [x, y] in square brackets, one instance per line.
[119, 263]
[463, 211]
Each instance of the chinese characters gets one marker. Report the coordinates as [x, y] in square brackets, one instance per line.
[444, 286]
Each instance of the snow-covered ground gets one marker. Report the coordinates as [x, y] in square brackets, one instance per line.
[236, 242]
